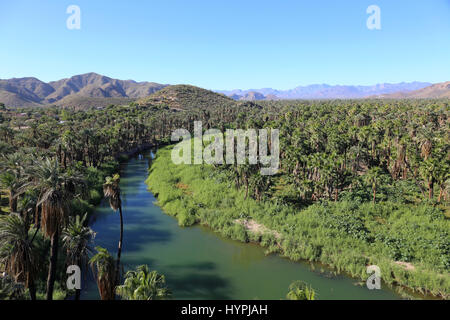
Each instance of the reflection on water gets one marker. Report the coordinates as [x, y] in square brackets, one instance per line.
[198, 263]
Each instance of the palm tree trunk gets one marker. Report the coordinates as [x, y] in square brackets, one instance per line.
[78, 291]
[52, 267]
[119, 249]
[32, 290]
[246, 188]
[77, 294]
[441, 192]
[374, 193]
[430, 188]
[12, 204]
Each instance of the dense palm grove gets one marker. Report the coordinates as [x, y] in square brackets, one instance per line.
[329, 148]
[56, 163]
[391, 155]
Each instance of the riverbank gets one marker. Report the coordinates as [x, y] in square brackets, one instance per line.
[123, 156]
[346, 236]
[199, 263]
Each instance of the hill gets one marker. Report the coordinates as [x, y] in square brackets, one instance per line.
[81, 102]
[184, 97]
[12, 99]
[23, 91]
[435, 91]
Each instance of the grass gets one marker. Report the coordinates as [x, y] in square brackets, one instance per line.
[57, 295]
[346, 235]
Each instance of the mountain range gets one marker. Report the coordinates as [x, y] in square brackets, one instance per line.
[87, 88]
[325, 91]
[92, 89]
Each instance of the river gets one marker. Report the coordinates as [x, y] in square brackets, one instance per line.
[198, 263]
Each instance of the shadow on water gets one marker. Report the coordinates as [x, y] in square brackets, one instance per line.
[200, 286]
[200, 281]
[203, 266]
[138, 230]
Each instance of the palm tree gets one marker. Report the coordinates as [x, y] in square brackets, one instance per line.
[372, 177]
[77, 238]
[425, 136]
[299, 290]
[10, 184]
[429, 170]
[443, 178]
[111, 189]
[56, 189]
[103, 266]
[16, 252]
[143, 284]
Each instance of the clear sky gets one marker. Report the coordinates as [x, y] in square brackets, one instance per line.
[227, 44]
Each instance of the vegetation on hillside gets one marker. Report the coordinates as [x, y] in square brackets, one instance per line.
[187, 97]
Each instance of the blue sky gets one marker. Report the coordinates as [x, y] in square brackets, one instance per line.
[218, 44]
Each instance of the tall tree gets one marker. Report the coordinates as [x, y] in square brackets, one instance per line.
[77, 239]
[111, 189]
[103, 266]
[16, 251]
[10, 184]
[372, 177]
[56, 189]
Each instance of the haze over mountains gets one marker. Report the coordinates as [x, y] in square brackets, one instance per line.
[324, 91]
[92, 89]
[438, 90]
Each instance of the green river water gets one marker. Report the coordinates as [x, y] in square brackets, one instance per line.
[198, 263]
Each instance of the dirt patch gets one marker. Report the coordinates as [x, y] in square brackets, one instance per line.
[255, 227]
[184, 188]
[408, 266]
[380, 220]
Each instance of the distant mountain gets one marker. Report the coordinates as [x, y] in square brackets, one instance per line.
[435, 91]
[253, 96]
[22, 92]
[324, 91]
